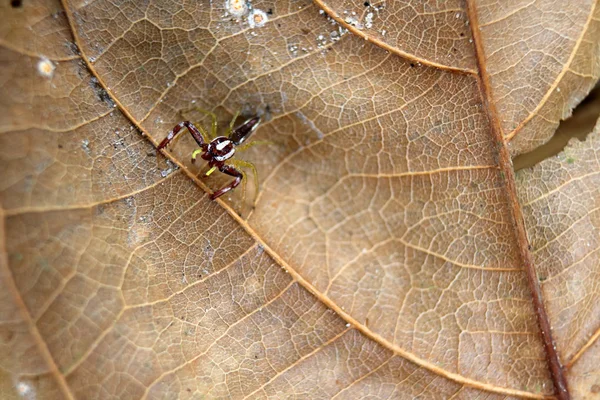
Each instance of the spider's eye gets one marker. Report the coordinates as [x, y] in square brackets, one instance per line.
[241, 133]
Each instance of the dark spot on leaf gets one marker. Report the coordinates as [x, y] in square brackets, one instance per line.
[101, 93]
[72, 47]
[412, 65]
[16, 3]
[367, 4]
[270, 12]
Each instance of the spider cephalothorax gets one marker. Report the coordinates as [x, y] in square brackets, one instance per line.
[219, 150]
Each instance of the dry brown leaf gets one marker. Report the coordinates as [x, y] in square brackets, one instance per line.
[383, 258]
[540, 57]
[561, 204]
[579, 125]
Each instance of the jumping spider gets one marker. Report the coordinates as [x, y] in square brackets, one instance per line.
[219, 150]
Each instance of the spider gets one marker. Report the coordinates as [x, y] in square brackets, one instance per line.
[219, 150]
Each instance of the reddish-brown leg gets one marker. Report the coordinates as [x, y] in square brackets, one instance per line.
[191, 128]
[229, 170]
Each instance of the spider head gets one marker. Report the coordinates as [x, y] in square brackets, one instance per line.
[220, 149]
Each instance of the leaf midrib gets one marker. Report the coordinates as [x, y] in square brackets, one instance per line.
[505, 164]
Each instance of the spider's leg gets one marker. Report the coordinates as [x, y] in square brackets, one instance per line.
[253, 143]
[196, 134]
[213, 121]
[245, 164]
[229, 170]
[235, 117]
[195, 153]
[244, 177]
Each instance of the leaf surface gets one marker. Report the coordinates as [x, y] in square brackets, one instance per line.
[386, 255]
[561, 204]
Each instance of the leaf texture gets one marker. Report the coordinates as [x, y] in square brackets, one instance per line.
[560, 198]
[541, 56]
[385, 257]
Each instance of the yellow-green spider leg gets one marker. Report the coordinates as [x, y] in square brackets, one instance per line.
[240, 164]
[253, 143]
[213, 124]
[232, 123]
[195, 154]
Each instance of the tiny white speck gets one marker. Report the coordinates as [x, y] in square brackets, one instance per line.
[347, 325]
[558, 89]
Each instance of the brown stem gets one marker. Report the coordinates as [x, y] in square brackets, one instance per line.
[505, 163]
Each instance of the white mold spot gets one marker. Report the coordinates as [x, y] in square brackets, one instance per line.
[25, 390]
[46, 67]
[257, 18]
[369, 20]
[237, 8]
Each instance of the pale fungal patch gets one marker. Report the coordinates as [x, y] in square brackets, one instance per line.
[45, 67]
[369, 20]
[354, 22]
[237, 8]
[25, 390]
[257, 18]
